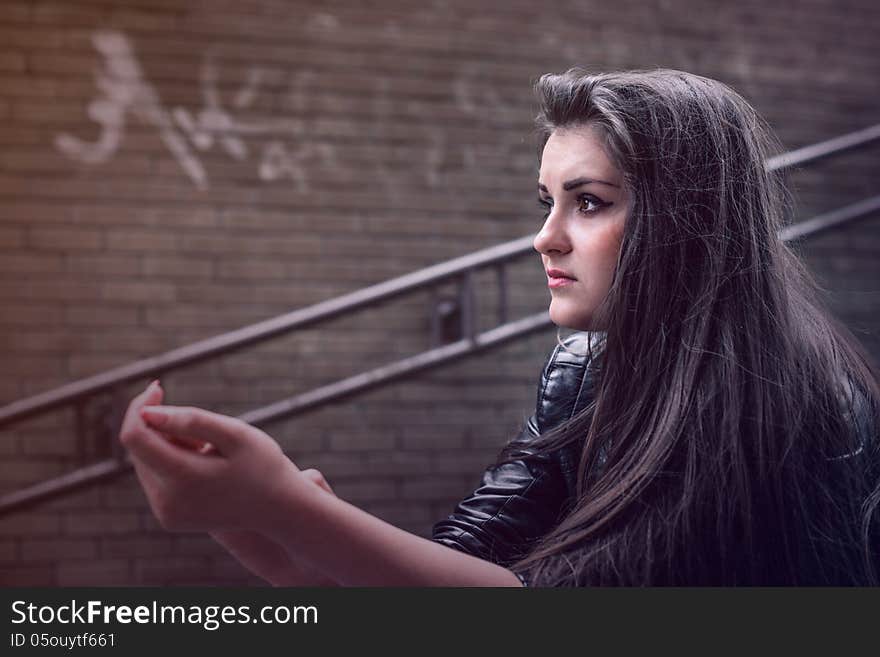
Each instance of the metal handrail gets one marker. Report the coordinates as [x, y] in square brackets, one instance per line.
[298, 404]
[429, 276]
[227, 342]
[823, 149]
[828, 220]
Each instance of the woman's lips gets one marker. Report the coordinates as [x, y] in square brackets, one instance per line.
[558, 277]
[559, 281]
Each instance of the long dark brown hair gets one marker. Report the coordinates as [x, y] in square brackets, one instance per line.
[720, 445]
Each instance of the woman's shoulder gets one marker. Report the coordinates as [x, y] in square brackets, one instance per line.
[860, 413]
[567, 378]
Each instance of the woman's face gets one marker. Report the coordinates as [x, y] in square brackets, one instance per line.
[583, 194]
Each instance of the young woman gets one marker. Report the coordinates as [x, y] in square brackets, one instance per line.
[720, 427]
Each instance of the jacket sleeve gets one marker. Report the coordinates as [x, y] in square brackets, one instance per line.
[514, 505]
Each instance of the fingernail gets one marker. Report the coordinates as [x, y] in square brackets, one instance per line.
[153, 415]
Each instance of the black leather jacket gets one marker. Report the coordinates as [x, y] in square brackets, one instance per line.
[519, 502]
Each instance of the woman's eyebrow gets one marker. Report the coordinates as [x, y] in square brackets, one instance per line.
[577, 182]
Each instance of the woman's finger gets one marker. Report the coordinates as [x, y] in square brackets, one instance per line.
[152, 395]
[192, 444]
[317, 477]
[226, 433]
[156, 452]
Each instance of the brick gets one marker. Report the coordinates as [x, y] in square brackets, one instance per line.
[28, 523]
[267, 293]
[11, 60]
[252, 270]
[102, 266]
[11, 238]
[135, 292]
[41, 341]
[71, 502]
[491, 436]
[365, 490]
[33, 263]
[140, 546]
[16, 11]
[188, 268]
[131, 340]
[32, 314]
[9, 442]
[397, 463]
[55, 550]
[26, 110]
[50, 444]
[18, 473]
[149, 525]
[34, 366]
[197, 545]
[333, 465]
[38, 212]
[470, 461]
[38, 162]
[125, 492]
[358, 441]
[82, 315]
[21, 85]
[141, 241]
[244, 218]
[27, 576]
[8, 550]
[195, 315]
[302, 444]
[68, 14]
[55, 290]
[57, 419]
[106, 572]
[145, 20]
[418, 419]
[143, 218]
[17, 37]
[100, 523]
[433, 487]
[254, 246]
[280, 366]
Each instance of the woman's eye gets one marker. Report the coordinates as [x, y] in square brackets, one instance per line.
[588, 204]
[547, 206]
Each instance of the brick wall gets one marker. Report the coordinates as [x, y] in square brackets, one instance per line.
[170, 170]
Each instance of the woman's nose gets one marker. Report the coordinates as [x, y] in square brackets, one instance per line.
[553, 237]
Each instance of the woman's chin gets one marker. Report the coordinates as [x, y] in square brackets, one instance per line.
[563, 317]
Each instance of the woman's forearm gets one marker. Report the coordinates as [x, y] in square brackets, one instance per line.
[359, 549]
[268, 559]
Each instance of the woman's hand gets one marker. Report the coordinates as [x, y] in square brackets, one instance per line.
[268, 559]
[205, 471]
[255, 551]
[224, 474]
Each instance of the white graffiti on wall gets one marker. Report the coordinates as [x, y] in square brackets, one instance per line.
[125, 92]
